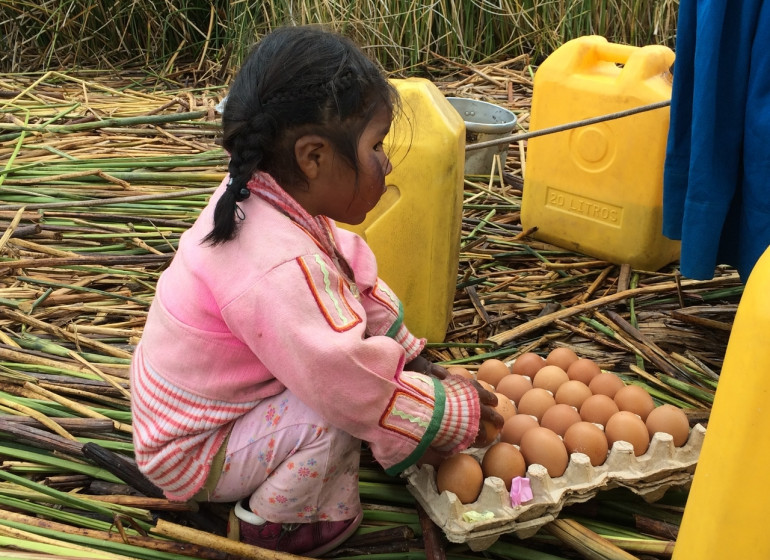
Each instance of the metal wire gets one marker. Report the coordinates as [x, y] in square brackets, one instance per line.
[568, 126]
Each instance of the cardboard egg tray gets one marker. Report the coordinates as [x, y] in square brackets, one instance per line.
[649, 475]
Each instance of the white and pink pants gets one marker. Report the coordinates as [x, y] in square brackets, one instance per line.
[291, 463]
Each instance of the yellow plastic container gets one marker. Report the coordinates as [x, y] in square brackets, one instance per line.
[728, 506]
[415, 228]
[598, 189]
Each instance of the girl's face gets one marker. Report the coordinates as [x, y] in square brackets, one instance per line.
[335, 192]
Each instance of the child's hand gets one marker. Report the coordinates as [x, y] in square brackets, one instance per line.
[488, 414]
[422, 365]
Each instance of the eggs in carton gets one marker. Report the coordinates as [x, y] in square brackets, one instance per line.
[649, 475]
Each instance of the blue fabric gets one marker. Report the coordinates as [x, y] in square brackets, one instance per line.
[716, 181]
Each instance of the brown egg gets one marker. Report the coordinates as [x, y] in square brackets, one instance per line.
[505, 406]
[562, 357]
[488, 433]
[514, 386]
[461, 371]
[527, 364]
[583, 369]
[587, 438]
[536, 402]
[559, 417]
[634, 398]
[606, 383]
[550, 378]
[671, 420]
[598, 409]
[430, 457]
[492, 371]
[573, 393]
[627, 426]
[515, 427]
[487, 386]
[461, 473]
[504, 461]
[543, 447]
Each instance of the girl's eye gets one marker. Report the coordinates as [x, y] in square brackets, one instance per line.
[378, 146]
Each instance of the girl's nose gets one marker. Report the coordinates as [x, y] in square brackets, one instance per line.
[388, 167]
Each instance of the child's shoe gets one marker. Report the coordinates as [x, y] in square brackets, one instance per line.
[304, 539]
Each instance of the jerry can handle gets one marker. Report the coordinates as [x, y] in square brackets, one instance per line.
[614, 52]
[639, 63]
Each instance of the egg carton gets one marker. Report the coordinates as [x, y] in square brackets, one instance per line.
[649, 475]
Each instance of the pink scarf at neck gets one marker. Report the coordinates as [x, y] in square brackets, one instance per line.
[265, 187]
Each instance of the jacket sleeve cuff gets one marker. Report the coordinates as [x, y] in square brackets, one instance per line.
[411, 344]
[462, 411]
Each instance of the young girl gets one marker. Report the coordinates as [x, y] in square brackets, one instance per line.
[272, 349]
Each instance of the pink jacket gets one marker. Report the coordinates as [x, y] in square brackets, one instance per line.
[272, 310]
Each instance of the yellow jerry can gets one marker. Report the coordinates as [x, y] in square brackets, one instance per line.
[729, 502]
[598, 189]
[415, 229]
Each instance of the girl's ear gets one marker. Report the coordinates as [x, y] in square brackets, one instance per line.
[310, 152]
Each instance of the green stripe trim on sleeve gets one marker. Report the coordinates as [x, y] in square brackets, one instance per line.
[396, 326]
[430, 433]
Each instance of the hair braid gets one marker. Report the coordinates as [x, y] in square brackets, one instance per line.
[246, 154]
[297, 80]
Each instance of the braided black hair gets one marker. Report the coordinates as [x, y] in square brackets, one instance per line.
[297, 80]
